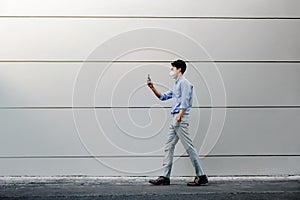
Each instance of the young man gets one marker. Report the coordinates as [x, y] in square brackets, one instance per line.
[182, 94]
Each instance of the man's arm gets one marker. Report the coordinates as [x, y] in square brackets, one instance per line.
[181, 112]
[186, 93]
[162, 96]
[154, 90]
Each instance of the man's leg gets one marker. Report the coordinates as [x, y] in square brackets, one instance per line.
[168, 159]
[169, 152]
[183, 134]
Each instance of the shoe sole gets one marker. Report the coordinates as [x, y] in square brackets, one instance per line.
[160, 184]
[202, 184]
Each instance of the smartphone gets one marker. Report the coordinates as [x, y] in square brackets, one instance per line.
[149, 79]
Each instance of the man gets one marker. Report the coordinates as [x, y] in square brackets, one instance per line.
[182, 94]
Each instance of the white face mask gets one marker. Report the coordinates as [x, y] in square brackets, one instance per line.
[173, 74]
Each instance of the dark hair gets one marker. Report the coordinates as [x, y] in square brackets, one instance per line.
[179, 64]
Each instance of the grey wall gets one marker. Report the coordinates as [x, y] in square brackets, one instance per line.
[74, 100]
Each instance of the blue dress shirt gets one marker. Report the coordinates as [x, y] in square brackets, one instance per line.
[182, 94]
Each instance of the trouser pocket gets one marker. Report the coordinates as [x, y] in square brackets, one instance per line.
[183, 122]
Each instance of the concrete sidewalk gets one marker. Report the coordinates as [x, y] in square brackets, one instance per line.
[82, 187]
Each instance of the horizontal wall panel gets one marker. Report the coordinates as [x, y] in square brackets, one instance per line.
[71, 39]
[163, 8]
[149, 166]
[143, 132]
[124, 84]
[37, 84]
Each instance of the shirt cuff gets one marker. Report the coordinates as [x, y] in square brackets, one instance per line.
[161, 97]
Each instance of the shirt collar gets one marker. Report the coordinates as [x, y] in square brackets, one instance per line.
[178, 79]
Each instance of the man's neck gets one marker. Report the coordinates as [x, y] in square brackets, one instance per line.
[179, 75]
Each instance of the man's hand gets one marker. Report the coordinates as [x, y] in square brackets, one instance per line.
[150, 84]
[181, 111]
[178, 118]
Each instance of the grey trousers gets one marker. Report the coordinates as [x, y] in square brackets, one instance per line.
[179, 130]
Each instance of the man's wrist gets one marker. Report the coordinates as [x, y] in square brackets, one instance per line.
[181, 112]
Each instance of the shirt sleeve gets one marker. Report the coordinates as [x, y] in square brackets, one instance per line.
[167, 95]
[186, 95]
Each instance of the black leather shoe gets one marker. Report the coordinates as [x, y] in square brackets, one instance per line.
[160, 181]
[199, 180]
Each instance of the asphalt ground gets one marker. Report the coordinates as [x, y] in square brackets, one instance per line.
[81, 187]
